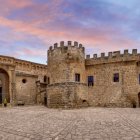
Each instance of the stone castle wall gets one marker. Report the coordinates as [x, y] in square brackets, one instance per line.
[26, 90]
[61, 90]
[68, 94]
[105, 91]
[63, 63]
[19, 70]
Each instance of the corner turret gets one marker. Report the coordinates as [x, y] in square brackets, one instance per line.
[66, 66]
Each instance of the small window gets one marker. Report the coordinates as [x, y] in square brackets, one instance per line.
[77, 77]
[45, 79]
[90, 80]
[116, 77]
[24, 81]
[48, 80]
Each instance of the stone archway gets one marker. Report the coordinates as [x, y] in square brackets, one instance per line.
[139, 99]
[4, 86]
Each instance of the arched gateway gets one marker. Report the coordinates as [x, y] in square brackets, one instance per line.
[4, 86]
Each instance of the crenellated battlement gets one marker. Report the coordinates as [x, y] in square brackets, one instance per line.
[115, 56]
[64, 47]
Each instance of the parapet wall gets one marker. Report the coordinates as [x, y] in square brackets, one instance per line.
[30, 67]
[22, 65]
[7, 60]
[113, 57]
[62, 48]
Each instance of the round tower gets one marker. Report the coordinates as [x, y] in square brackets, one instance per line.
[66, 68]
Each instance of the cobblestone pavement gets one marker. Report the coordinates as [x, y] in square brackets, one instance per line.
[41, 123]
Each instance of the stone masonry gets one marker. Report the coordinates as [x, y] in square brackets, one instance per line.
[63, 63]
[41, 123]
[70, 79]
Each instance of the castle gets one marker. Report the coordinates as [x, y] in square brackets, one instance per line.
[71, 80]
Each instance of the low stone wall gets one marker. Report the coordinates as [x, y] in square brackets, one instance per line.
[67, 95]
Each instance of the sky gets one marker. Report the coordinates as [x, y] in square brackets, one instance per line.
[29, 27]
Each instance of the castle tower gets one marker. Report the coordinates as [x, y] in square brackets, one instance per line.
[66, 66]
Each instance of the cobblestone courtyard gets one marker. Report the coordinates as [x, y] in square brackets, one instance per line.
[41, 123]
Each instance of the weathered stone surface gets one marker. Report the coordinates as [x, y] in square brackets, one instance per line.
[12, 72]
[106, 92]
[68, 95]
[41, 123]
[60, 88]
[63, 64]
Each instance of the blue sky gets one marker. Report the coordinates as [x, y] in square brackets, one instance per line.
[29, 27]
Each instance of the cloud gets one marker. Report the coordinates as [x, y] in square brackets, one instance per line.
[98, 37]
[19, 26]
[7, 6]
[31, 25]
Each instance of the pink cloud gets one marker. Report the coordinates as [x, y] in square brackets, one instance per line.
[30, 52]
[7, 6]
[102, 39]
[19, 26]
[17, 4]
[47, 35]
